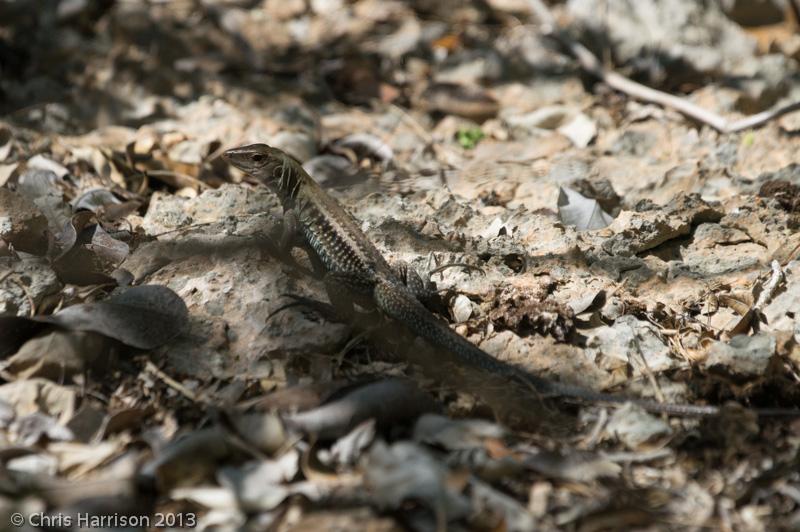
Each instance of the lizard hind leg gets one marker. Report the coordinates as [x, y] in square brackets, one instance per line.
[424, 292]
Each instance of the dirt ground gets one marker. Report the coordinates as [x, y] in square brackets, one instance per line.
[600, 240]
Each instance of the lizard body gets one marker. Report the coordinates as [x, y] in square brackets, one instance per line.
[353, 263]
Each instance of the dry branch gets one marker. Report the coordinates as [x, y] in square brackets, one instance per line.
[589, 62]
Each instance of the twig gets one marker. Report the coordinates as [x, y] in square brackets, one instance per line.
[795, 7]
[442, 151]
[410, 121]
[648, 373]
[188, 180]
[752, 316]
[589, 62]
[172, 383]
[639, 457]
[242, 217]
[26, 292]
[771, 287]
[791, 255]
[593, 437]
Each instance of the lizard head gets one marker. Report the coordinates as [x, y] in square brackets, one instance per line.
[258, 160]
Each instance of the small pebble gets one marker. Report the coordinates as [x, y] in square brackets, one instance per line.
[462, 308]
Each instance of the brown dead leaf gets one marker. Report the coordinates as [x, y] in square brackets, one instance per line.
[458, 435]
[465, 101]
[524, 312]
[190, 458]
[389, 402]
[40, 396]
[144, 317]
[22, 224]
[785, 193]
[93, 255]
[58, 356]
[141, 316]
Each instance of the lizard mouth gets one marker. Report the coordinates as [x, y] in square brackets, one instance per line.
[247, 158]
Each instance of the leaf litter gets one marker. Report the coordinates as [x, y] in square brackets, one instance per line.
[621, 247]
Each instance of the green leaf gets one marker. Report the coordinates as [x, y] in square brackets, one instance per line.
[468, 137]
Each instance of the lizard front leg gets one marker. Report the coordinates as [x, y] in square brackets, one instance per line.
[290, 237]
[289, 231]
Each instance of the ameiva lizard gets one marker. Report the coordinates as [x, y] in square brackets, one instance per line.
[355, 271]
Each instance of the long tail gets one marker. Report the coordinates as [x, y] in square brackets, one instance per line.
[399, 304]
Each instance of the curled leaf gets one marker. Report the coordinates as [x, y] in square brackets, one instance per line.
[582, 212]
[330, 170]
[93, 256]
[260, 485]
[388, 401]
[455, 434]
[405, 470]
[366, 145]
[44, 189]
[94, 200]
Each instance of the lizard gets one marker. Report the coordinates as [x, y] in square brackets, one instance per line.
[355, 271]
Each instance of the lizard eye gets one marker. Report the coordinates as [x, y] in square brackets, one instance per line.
[257, 158]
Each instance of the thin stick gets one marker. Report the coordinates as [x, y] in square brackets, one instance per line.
[795, 6]
[179, 175]
[752, 316]
[172, 383]
[444, 151]
[589, 62]
[771, 287]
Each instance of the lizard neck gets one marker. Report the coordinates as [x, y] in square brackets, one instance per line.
[332, 232]
[287, 179]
